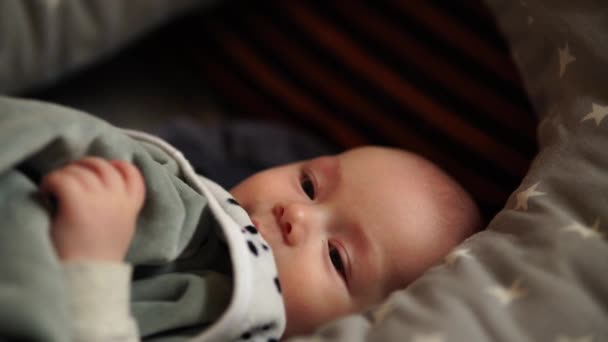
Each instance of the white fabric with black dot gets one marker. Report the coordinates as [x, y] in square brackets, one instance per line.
[256, 311]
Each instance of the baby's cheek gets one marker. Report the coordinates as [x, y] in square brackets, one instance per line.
[310, 300]
[302, 312]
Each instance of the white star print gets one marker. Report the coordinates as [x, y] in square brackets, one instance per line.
[562, 338]
[315, 339]
[53, 3]
[506, 295]
[457, 254]
[544, 121]
[554, 120]
[583, 231]
[432, 337]
[598, 114]
[380, 313]
[565, 58]
[523, 196]
[557, 121]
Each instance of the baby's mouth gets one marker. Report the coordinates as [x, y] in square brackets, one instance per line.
[262, 231]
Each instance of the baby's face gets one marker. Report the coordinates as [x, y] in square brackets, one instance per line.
[345, 230]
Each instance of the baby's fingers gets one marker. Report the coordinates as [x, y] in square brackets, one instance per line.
[132, 178]
[103, 169]
[68, 180]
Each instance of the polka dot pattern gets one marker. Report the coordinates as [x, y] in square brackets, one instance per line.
[265, 316]
[277, 284]
[252, 248]
[259, 330]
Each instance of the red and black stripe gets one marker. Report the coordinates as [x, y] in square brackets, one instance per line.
[431, 77]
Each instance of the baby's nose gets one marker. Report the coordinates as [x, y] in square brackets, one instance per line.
[279, 213]
[291, 219]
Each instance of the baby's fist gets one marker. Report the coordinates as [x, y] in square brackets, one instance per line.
[97, 206]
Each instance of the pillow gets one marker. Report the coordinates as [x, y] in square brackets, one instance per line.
[538, 273]
[434, 78]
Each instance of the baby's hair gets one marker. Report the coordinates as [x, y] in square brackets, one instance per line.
[456, 215]
[457, 209]
[465, 214]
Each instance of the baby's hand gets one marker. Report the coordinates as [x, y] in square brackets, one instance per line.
[97, 206]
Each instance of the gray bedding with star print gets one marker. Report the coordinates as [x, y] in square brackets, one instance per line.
[538, 272]
[199, 263]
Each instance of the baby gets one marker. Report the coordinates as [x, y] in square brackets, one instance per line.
[345, 230]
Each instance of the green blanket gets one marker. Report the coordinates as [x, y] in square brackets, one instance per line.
[38, 137]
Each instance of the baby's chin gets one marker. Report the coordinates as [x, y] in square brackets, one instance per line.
[299, 328]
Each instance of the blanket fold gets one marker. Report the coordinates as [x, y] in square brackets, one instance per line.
[38, 137]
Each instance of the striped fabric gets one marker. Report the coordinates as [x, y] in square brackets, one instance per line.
[431, 77]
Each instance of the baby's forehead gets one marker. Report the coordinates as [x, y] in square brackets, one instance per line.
[391, 162]
[394, 171]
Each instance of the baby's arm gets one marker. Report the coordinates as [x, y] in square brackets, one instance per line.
[97, 206]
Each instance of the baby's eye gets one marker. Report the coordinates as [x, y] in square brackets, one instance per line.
[336, 260]
[308, 186]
